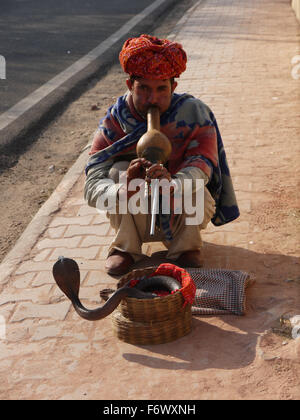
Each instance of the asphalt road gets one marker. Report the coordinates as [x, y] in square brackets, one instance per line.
[41, 38]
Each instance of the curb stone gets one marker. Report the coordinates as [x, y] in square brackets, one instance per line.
[41, 220]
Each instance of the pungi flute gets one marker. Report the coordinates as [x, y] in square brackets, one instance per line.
[155, 147]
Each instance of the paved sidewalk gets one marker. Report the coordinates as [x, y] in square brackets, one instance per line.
[240, 65]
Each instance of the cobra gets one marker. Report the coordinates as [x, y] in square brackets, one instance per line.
[67, 276]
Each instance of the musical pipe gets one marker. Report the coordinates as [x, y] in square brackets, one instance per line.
[155, 147]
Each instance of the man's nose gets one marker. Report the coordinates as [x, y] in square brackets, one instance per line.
[152, 97]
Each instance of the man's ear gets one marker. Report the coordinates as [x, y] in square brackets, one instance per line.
[173, 86]
[129, 84]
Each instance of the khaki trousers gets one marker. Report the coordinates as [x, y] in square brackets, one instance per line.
[134, 230]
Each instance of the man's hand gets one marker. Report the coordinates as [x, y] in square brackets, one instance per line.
[157, 171]
[143, 169]
[137, 169]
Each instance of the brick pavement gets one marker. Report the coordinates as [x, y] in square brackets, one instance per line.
[239, 64]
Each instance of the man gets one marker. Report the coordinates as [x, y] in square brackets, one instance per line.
[197, 154]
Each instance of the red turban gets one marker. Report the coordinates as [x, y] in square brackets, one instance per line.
[152, 58]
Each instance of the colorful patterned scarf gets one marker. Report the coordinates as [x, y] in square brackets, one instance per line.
[196, 141]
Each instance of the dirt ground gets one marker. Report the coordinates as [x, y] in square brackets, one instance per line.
[28, 180]
[28, 177]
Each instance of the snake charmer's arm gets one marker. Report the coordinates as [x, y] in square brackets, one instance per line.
[192, 173]
[98, 184]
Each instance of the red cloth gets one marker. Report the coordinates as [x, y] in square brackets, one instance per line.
[152, 58]
[188, 289]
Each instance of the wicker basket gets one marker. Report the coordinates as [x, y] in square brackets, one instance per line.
[151, 321]
[151, 332]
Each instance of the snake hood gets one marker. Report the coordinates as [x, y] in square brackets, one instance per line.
[67, 276]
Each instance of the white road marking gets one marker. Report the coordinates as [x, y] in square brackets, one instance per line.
[12, 114]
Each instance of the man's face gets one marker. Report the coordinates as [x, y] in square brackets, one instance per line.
[148, 92]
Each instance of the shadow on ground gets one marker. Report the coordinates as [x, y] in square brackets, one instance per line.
[230, 341]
